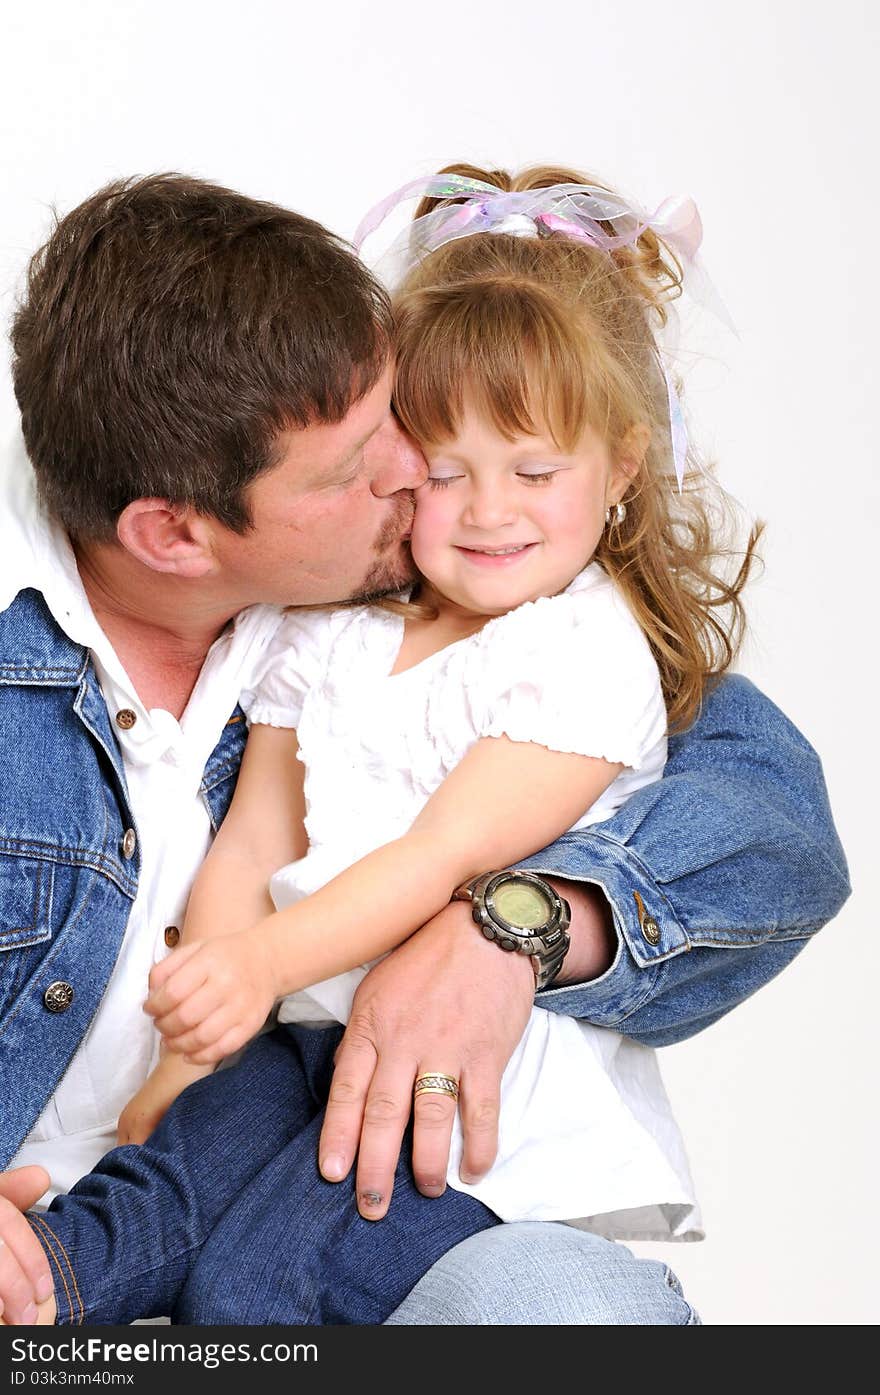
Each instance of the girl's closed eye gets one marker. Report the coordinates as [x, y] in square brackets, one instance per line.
[537, 476]
[442, 481]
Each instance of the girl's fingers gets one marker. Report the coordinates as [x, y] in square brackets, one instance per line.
[203, 1039]
[179, 980]
[160, 972]
[229, 1042]
[192, 1014]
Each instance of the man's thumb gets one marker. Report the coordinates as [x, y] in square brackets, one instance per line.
[24, 1185]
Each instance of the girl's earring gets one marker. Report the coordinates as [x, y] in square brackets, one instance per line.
[619, 515]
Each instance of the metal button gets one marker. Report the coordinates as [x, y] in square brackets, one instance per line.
[651, 930]
[648, 925]
[129, 843]
[125, 718]
[172, 935]
[58, 996]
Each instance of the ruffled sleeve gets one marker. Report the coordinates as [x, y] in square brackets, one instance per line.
[293, 664]
[573, 673]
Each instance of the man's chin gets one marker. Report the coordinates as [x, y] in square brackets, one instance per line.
[387, 578]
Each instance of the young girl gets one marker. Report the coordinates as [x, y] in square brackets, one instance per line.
[566, 610]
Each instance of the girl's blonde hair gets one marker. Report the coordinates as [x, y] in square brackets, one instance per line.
[552, 334]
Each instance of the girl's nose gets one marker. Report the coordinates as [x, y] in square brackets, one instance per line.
[489, 506]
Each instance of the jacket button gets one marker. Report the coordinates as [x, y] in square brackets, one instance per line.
[58, 996]
[647, 924]
[651, 930]
[129, 843]
[125, 718]
[172, 935]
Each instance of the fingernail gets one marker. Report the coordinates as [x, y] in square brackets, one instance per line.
[371, 1198]
[45, 1288]
[30, 1314]
[470, 1179]
[333, 1167]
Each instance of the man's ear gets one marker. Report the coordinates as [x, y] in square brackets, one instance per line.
[628, 459]
[166, 537]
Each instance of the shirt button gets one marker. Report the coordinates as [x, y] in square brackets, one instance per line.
[58, 996]
[125, 718]
[129, 843]
[172, 935]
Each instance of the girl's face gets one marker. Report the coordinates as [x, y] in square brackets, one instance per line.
[501, 522]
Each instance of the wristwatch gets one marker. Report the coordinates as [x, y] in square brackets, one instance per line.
[521, 912]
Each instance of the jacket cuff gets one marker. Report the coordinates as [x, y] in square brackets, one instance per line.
[648, 931]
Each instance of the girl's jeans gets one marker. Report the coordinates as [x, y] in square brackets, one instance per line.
[222, 1215]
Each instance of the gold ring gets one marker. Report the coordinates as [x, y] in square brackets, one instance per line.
[435, 1084]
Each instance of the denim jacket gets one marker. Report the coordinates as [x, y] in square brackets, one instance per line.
[734, 849]
[69, 855]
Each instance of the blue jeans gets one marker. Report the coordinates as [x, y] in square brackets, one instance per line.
[532, 1273]
[223, 1217]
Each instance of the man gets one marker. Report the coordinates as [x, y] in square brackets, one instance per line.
[204, 383]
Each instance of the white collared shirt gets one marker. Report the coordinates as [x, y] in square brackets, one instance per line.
[163, 759]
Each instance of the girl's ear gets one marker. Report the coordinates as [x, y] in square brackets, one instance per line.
[628, 459]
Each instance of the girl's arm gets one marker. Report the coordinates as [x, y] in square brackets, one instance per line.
[504, 800]
[263, 830]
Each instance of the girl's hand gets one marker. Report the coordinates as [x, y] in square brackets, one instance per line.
[210, 998]
[145, 1111]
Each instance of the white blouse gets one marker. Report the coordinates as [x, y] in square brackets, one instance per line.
[583, 1109]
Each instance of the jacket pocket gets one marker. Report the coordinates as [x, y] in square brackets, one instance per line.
[25, 917]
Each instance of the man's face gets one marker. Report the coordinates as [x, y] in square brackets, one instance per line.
[332, 518]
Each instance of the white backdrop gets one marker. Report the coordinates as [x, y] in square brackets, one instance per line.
[764, 113]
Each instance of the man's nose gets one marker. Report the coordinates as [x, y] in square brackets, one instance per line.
[397, 461]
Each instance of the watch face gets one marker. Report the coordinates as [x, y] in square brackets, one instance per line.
[522, 904]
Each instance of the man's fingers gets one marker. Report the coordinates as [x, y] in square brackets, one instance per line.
[355, 1063]
[479, 1107]
[25, 1278]
[433, 1118]
[386, 1115]
[24, 1186]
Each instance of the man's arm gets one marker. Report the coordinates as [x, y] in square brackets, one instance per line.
[710, 881]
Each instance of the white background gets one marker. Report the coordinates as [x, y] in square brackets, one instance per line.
[766, 113]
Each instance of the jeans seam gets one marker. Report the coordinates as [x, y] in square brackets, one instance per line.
[47, 1239]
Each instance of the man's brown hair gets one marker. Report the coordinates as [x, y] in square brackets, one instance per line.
[169, 331]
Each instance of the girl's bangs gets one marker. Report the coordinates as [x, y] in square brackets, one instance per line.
[524, 369]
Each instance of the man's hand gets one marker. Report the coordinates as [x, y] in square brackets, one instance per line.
[210, 997]
[26, 1288]
[446, 1001]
